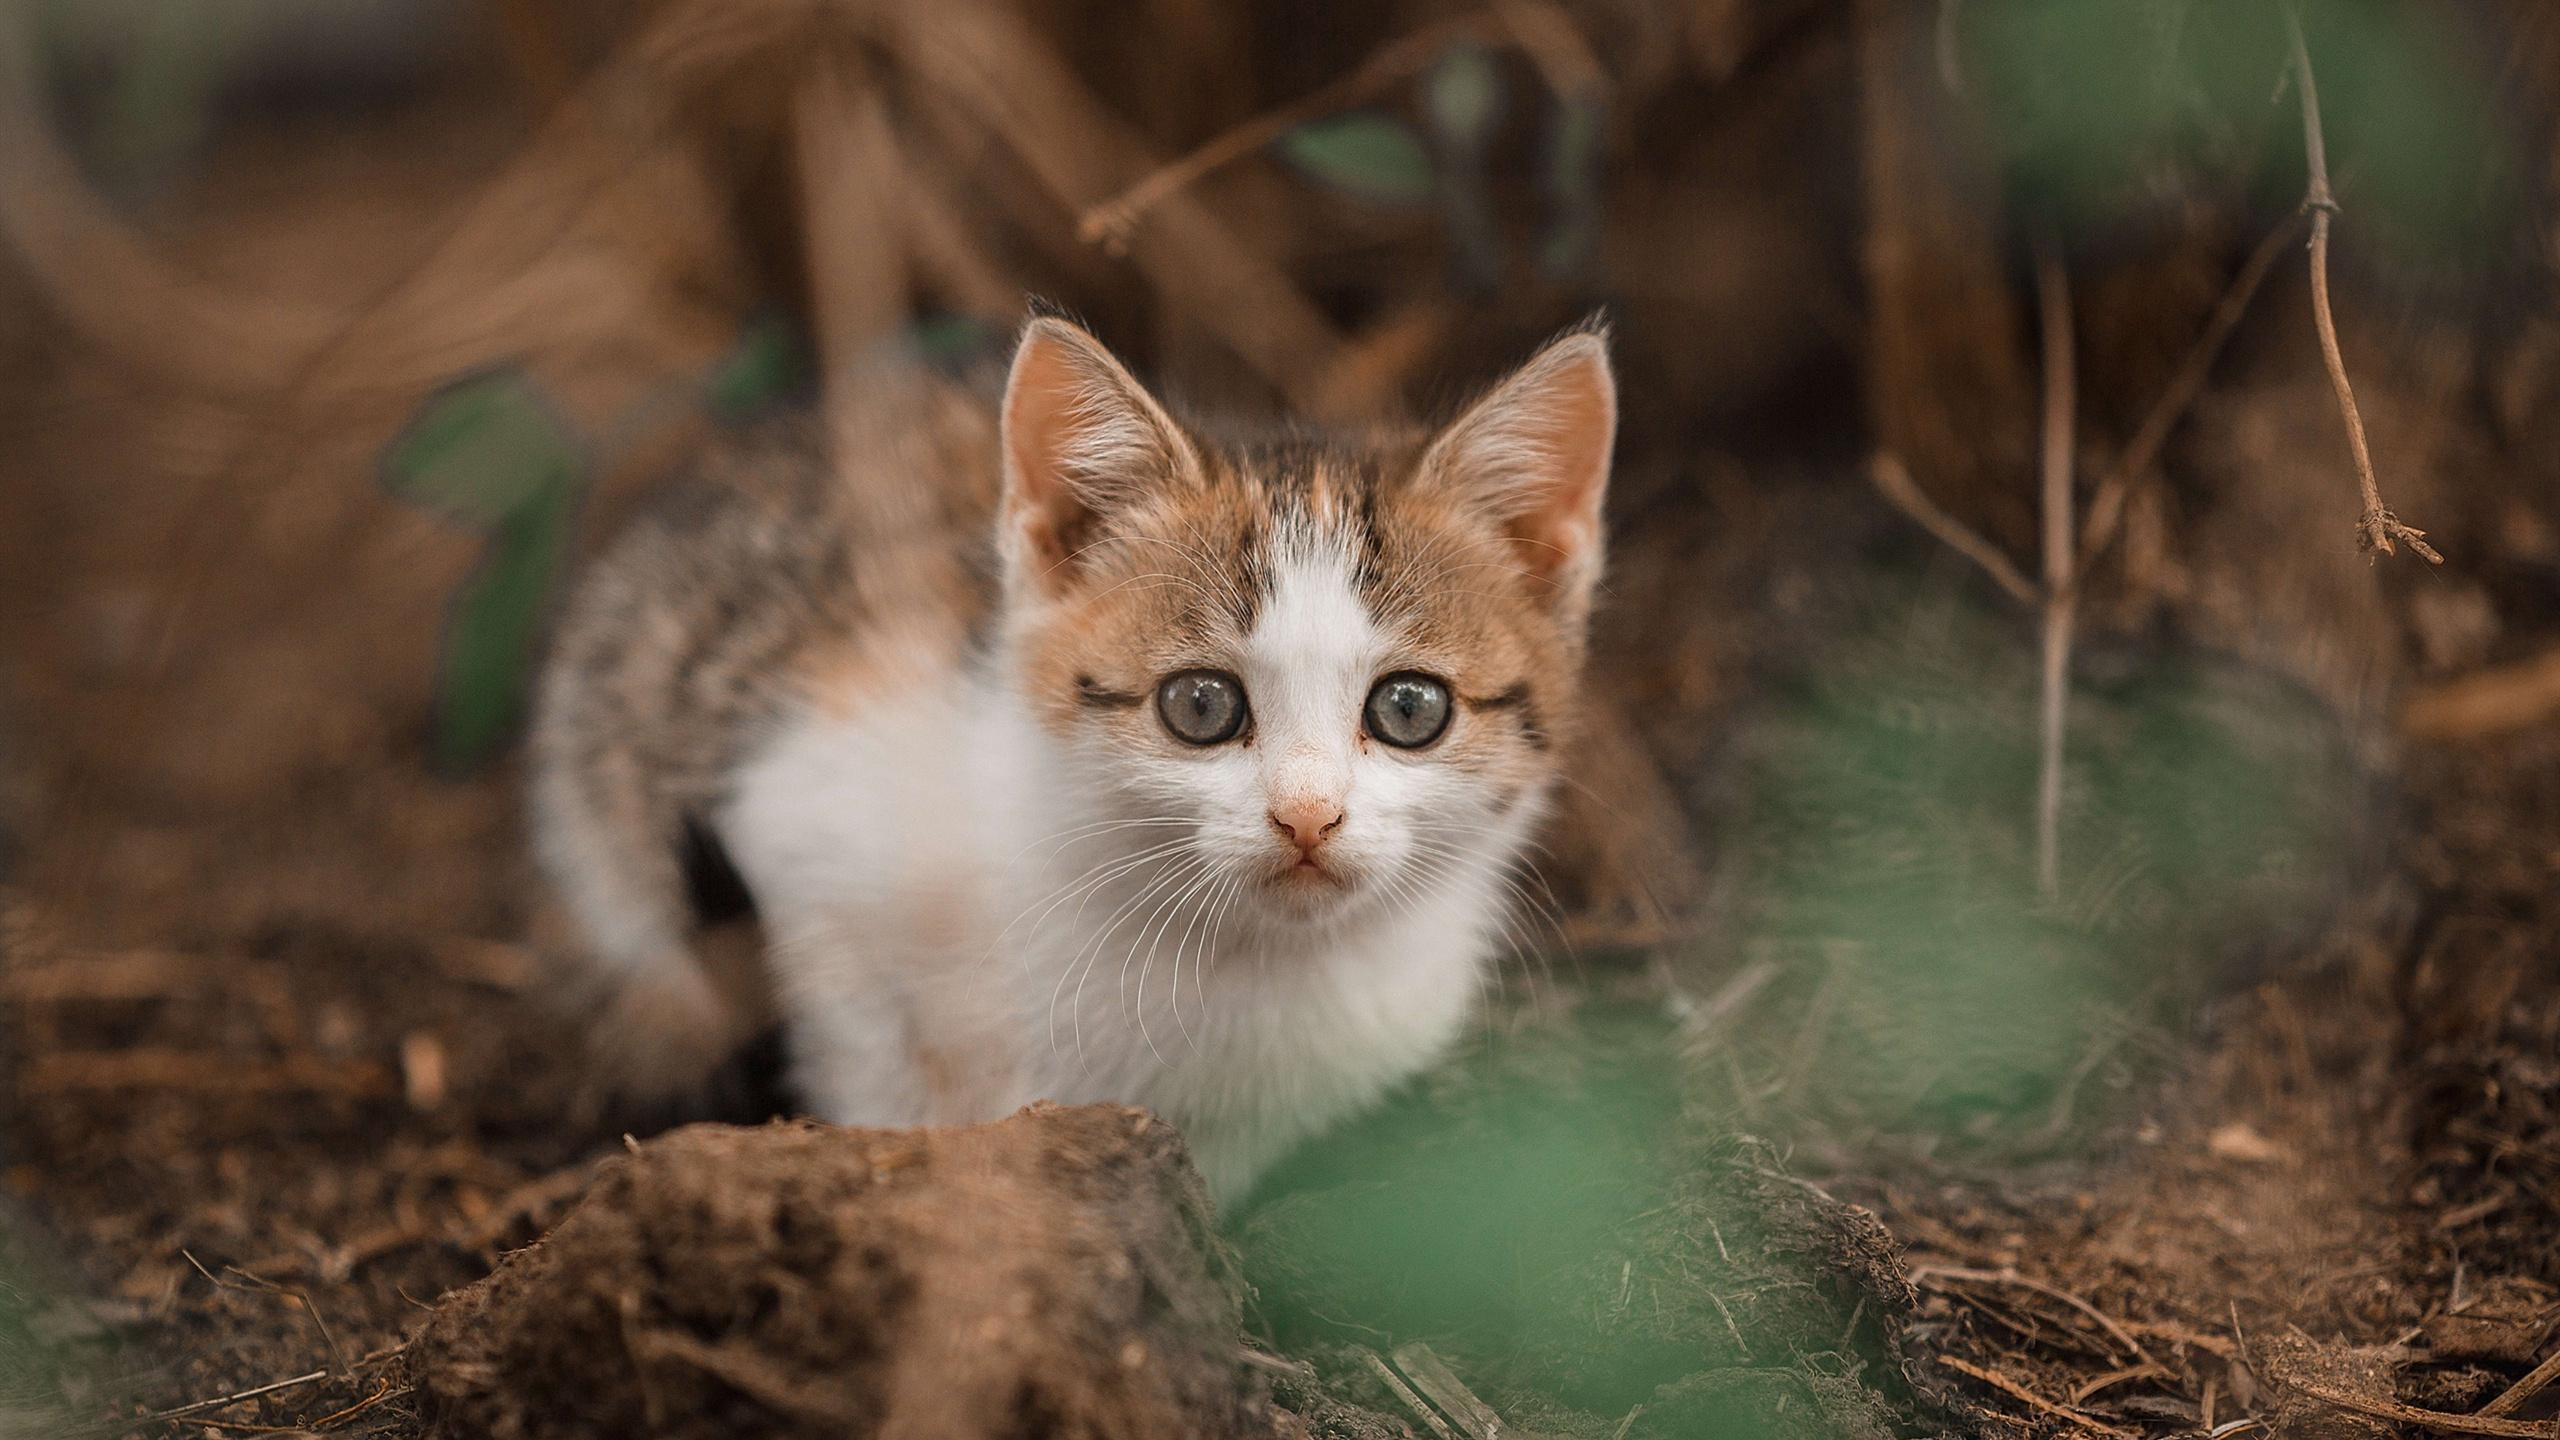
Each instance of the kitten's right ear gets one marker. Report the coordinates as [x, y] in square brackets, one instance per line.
[1082, 441]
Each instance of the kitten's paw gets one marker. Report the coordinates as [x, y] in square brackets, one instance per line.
[658, 1038]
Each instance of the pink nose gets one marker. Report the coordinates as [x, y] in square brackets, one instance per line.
[1307, 822]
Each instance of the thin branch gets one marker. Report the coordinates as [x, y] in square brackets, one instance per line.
[985, 75]
[2534, 1383]
[2486, 702]
[328, 1340]
[2031, 1399]
[234, 1398]
[2115, 1329]
[1893, 481]
[1541, 31]
[2430, 1419]
[2053, 306]
[2377, 529]
[1397, 1387]
[1111, 222]
[2107, 498]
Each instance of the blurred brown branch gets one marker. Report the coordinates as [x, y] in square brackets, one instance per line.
[1110, 223]
[1546, 34]
[987, 73]
[2486, 702]
[2061, 594]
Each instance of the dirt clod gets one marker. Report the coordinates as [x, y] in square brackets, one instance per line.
[1050, 1274]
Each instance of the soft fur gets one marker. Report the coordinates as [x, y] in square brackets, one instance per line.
[912, 694]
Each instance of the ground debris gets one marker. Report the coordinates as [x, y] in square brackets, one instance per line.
[1053, 1273]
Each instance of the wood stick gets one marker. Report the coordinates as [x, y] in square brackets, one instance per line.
[234, 1398]
[2486, 702]
[2106, 501]
[1432, 1376]
[2061, 400]
[2534, 1382]
[991, 75]
[2025, 1396]
[855, 255]
[2377, 528]
[1111, 222]
[2433, 1419]
[1893, 481]
[2122, 1336]
[1395, 1386]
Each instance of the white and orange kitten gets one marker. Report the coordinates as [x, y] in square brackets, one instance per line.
[1068, 752]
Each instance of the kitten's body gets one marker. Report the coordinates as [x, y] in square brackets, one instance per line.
[920, 718]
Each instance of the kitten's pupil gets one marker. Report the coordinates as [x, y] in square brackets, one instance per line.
[1408, 710]
[1201, 707]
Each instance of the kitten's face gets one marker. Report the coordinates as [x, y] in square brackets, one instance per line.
[1326, 675]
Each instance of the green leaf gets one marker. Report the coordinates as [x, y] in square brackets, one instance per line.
[480, 450]
[770, 362]
[491, 632]
[1463, 95]
[1371, 156]
[952, 340]
[486, 452]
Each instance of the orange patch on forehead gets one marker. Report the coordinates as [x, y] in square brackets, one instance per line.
[1182, 583]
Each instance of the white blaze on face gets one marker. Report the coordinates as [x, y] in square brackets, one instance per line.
[1307, 666]
[1313, 654]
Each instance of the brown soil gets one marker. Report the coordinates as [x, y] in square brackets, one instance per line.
[1052, 1274]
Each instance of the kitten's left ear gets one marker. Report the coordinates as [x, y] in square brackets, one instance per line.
[1533, 455]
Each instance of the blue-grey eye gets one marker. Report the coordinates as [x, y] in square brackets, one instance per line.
[1408, 710]
[1201, 707]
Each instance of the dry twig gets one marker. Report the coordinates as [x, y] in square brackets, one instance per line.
[1432, 1376]
[1542, 31]
[2107, 498]
[2377, 529]
[2534, 1383]
[1397, 1387]
[2061, 601]
[2482, 1424]
[2118, 1332]
[1893, 481]
[235, 1397]
[2486, 702]
[2029, 1398]
[1111, 222]
[985, 75]
[328, 1339]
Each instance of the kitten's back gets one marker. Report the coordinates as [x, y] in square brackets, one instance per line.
[798, 557]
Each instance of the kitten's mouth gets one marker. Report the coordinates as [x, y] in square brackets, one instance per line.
[1309, 873]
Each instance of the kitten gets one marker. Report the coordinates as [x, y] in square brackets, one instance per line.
[1070, 752]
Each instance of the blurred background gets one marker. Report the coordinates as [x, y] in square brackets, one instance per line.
[2022, 803]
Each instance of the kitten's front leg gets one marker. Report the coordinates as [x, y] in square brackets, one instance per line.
[852, 1054]
[898, 1035]
[848, 1033]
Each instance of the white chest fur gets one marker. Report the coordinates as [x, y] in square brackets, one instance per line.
[958, 928]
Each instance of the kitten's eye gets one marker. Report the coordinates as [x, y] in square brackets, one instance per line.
[1408, 710]
[1201, 707]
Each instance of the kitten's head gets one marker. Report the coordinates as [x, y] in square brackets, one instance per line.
[1332, 671]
